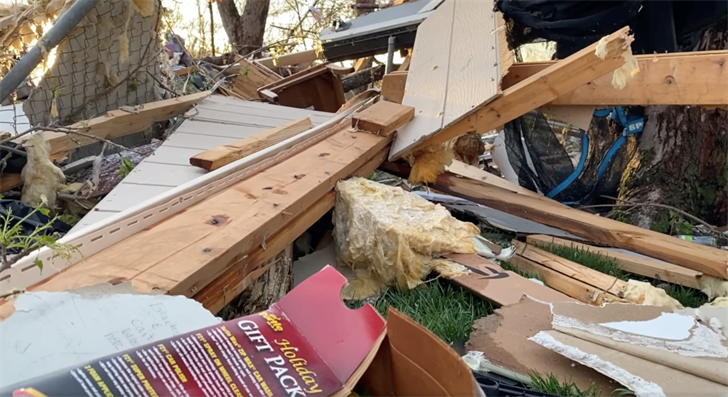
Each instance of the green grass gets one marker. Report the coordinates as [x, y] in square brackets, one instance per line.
[508, 266]
[688, 297]
[549, 383]
[447, 310]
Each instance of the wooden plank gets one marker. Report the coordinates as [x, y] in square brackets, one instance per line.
[393, 85]
[493, 283]
[572, 269]
[178, 255]
[694, 78]
[289, 59]
[473, 74]
[564, 284]
[708, 260]
[119, 122]
[383, 118]
[468, 171]
[220, 156]
[251, 77]
[426, 88]
[631, 263]
[536, 91]
[10, 181]
[235, 278]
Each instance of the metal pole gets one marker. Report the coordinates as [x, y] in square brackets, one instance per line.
[390, 54]
[50, 40]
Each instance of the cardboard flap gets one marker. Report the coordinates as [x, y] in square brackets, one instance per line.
[342, 337]
[424, 365]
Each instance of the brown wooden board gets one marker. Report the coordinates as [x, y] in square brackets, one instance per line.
[222, 155]
[383, 118]
[251, 77]
[708, 260]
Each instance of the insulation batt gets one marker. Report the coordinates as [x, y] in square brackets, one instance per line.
[392, 237]
[40, 176]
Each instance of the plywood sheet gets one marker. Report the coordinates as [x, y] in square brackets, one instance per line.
[454, 69]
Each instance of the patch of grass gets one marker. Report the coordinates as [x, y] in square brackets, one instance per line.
[550, 384]
[447, 310]
[587, 258]
[508, 266]
[688, 297]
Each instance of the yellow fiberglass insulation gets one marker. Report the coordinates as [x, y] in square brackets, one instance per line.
[392, 237]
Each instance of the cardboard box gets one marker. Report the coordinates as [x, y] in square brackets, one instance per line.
[308, 344]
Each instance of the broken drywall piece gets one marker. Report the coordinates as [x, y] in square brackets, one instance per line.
[62, 329]
[640, 386]
[702, 341]
[669, 326]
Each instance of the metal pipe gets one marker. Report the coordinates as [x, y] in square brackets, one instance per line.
[50, 40]
[390, 54]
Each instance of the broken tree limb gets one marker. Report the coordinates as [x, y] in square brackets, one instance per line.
[708, 260]
[693, 78]
[222, 155]
[362, 78]
[531, 93]
[648, 267]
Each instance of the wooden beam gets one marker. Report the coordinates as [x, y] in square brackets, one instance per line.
[393, 86]
[572, 269]
[693, 78]
[564, 284]
[536, 91]
[120, 122]
[10, 181]
[708, 260]
[289, 59]
[383, 118]
[238, 276]
[222, 155]
[648, 267]
[468, 171]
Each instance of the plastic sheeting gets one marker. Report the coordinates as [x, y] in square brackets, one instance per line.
[392, 237]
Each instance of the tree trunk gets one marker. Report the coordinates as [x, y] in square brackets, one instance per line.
[359, 79]
[245, 31]
[681, 160]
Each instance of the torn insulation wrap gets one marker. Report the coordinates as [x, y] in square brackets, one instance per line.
[430, 162]
[392, 237]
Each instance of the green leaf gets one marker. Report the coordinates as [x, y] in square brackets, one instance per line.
[38, 263]
[126, 166]
[45, 211]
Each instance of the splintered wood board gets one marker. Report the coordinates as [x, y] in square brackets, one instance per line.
[454, 69]
[383, 118]
[181, 254]
[251, 77]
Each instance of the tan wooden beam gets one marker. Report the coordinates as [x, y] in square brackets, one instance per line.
[383, 118]
[536, 91]
[630, 263]
[692, 78]
[566, 285]
[289, 59]
[393, 86]
[708, 260]
[220, 156]
[468, 171]
[10, 181]
[120, 122]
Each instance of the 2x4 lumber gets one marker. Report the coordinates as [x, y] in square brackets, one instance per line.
[535, 91]
[238, 276]
[393, 86]
[469, 171]
[692, 78]
[563, 283]
[572, 269]
[120, 122]
[10, 181]
[383, 118]
[220, 156]
[289, 59]
[631, 263]
[708, 260]
[178, 255]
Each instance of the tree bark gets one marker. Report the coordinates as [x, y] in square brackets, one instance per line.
[245, 31]
[681, 160]
[362, 78]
